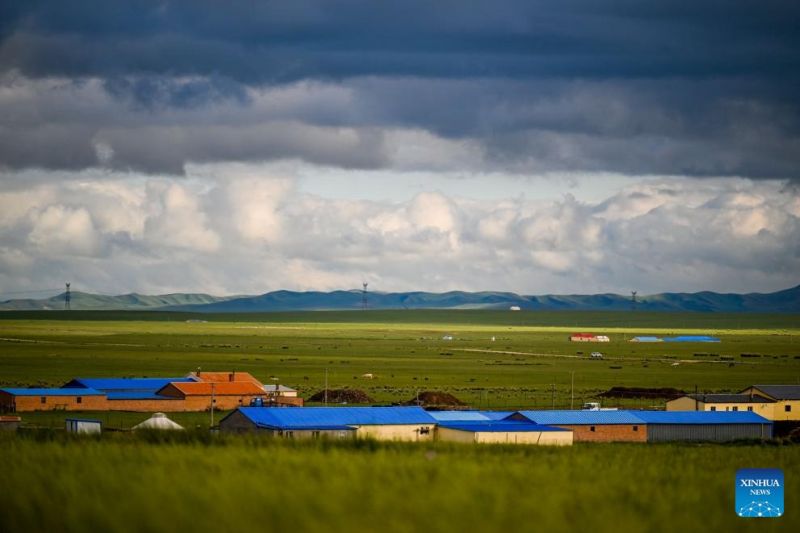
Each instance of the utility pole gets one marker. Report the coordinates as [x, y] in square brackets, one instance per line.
[212, 404]
[572, 393]
[364, 301]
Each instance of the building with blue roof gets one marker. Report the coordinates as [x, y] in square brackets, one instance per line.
[654, 426]
[503, 432]
[125, 384]
[43, 399]
[692, 338]
[381, 423]
[392, 423]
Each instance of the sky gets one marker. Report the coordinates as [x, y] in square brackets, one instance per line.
[558, 146]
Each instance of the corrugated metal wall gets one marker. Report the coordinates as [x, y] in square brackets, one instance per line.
[707, 432]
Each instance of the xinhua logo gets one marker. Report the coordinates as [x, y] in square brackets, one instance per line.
[759, 492]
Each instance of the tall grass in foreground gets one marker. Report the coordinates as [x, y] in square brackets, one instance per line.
[126, 483]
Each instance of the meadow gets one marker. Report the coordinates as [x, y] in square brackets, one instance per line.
[122, 483]
[495, 360]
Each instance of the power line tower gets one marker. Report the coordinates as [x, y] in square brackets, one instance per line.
[364, 301]
[633, 300]
[67, 298]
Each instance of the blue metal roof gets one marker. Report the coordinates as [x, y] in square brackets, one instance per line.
[53, 392]
[497, 415]
[326, 417]
[469, 415]
[464, 416]
[701, 417]
[498, 427]
[692, 338]
[130, 384]
[581, 417]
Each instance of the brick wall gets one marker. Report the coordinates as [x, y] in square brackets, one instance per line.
[59, 403]
[608, 432]
[10, 403]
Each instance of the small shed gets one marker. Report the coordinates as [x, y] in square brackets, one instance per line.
[158, 421]
[9, 423]
[83, 425]
[280, 390]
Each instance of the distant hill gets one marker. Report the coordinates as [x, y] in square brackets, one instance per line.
[786, 301]
[133, 301]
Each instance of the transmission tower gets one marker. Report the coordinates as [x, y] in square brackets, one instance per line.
[364, 301]
[67, 298]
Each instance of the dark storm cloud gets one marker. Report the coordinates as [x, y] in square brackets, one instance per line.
[256, 42]
[695, 88]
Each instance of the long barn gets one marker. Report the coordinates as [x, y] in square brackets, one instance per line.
[654, 426]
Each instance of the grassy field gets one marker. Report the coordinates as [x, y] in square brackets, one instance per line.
[126, 482]
[530, 363]
[121, 483]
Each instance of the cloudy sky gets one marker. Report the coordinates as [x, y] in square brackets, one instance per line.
[564, 146]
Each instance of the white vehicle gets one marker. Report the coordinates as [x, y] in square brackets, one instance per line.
[596, 355]
[595, 406]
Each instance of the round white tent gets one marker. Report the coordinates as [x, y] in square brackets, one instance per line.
[158, 421]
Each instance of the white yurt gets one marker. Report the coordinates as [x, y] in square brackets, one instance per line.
[158, 421]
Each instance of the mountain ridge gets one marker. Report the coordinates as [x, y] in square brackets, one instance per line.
[785, 301]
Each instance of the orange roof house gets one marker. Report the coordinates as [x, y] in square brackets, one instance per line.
[222, 377]
[201, 395]
[201, 388]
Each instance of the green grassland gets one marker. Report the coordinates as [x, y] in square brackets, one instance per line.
[530, 363]
[122, 483]
[126, 481]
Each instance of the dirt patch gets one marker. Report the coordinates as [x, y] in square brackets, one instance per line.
[435, 399]
[642, 392]
[342, 396]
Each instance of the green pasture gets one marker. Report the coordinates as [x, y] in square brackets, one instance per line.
[125, 483]
[530, 363]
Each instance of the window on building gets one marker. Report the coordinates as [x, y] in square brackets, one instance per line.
[591, 428]
[424, 431]
[636, 428]
[78, 399]
[713, 408]
[44, 399]
[734, 408]
[787, 408]
[750, 408]
[315, 434]
[290, 434]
